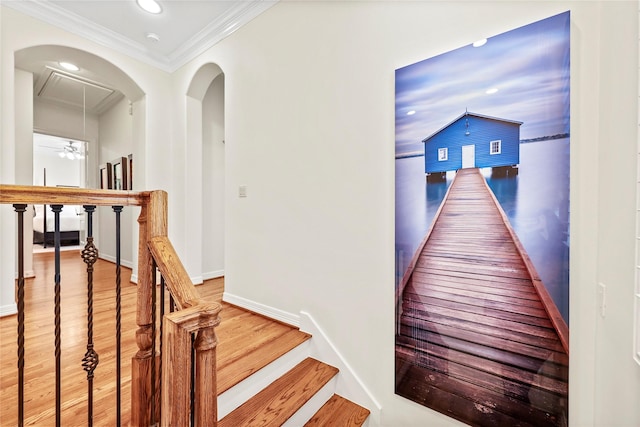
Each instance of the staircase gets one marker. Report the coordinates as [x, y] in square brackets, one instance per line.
[266, 377]
[264, 373]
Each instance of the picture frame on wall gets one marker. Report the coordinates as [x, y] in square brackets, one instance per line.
[106, 180]
[120, 167]
[130, 173]
[482, 232]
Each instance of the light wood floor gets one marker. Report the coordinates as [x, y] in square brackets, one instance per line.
[39, 343]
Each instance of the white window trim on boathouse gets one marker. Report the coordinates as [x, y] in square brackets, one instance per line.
[443, 154]
[495, 147]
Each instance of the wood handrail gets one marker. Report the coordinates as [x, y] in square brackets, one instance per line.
[38, 195]
[175, 275]
[194, 315]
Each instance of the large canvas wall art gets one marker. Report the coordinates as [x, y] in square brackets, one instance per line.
[482, 228]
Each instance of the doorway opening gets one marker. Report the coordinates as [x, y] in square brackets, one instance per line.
[58, 162]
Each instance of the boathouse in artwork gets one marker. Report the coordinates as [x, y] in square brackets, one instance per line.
[473, 141]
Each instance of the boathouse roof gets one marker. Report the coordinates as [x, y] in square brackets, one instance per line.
[467, 114]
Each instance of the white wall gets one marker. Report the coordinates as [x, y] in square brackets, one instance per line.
[213, 173]
[7, 175]
[24, 153]
[116, 140]
[309, 124]
[616, 185]
[57, 120]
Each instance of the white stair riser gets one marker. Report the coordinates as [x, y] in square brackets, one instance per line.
[244, 390]
[312, 406]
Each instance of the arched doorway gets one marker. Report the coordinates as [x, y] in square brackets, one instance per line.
[73, 104]
[206, 170]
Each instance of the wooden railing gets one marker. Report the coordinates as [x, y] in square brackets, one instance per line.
[184, 371]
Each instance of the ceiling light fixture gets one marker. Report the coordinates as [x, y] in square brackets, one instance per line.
[480, 43]
[71, 152]
[69, 66]
[411, 113]
[491, 91]
[150, 6]
[153, 37]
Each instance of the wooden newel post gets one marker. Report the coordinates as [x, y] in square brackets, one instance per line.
[152, 222]
[178, 328]
[206, 395]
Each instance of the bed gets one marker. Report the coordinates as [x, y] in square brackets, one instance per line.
[70, 224]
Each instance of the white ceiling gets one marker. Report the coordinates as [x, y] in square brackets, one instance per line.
[185, 27]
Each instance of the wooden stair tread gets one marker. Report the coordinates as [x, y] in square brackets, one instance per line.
[248, 342]
[338, 411]
[282, 398]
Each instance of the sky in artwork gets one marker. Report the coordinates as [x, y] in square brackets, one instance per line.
[528, 66]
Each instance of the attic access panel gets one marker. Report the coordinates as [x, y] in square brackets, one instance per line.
[74, 91]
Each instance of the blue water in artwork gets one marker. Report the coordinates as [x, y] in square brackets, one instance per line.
[536, 202]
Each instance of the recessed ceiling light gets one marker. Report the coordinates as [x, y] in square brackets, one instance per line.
[411, 113]
[491, 91]
[479, 43]
[153, 37]
[69, 66]
[150, 6]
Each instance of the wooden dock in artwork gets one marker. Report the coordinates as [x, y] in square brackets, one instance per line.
[478, 337]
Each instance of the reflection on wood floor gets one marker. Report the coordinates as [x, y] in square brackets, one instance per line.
[247, 342]
[475, 339]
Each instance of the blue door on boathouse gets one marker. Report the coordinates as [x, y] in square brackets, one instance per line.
[473, 141]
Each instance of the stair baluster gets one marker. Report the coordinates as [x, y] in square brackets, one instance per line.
[20, 209]
[90, 360]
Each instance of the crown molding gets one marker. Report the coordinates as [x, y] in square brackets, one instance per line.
[225, 25]
[219, 29]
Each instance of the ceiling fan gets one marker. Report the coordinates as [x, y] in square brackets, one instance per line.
[71, 151]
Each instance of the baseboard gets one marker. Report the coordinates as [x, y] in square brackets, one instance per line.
[349, 384]
[273, 313]
[213, 274]
[8, 310]
[29, 274]
[134, 278]
[123, 262]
